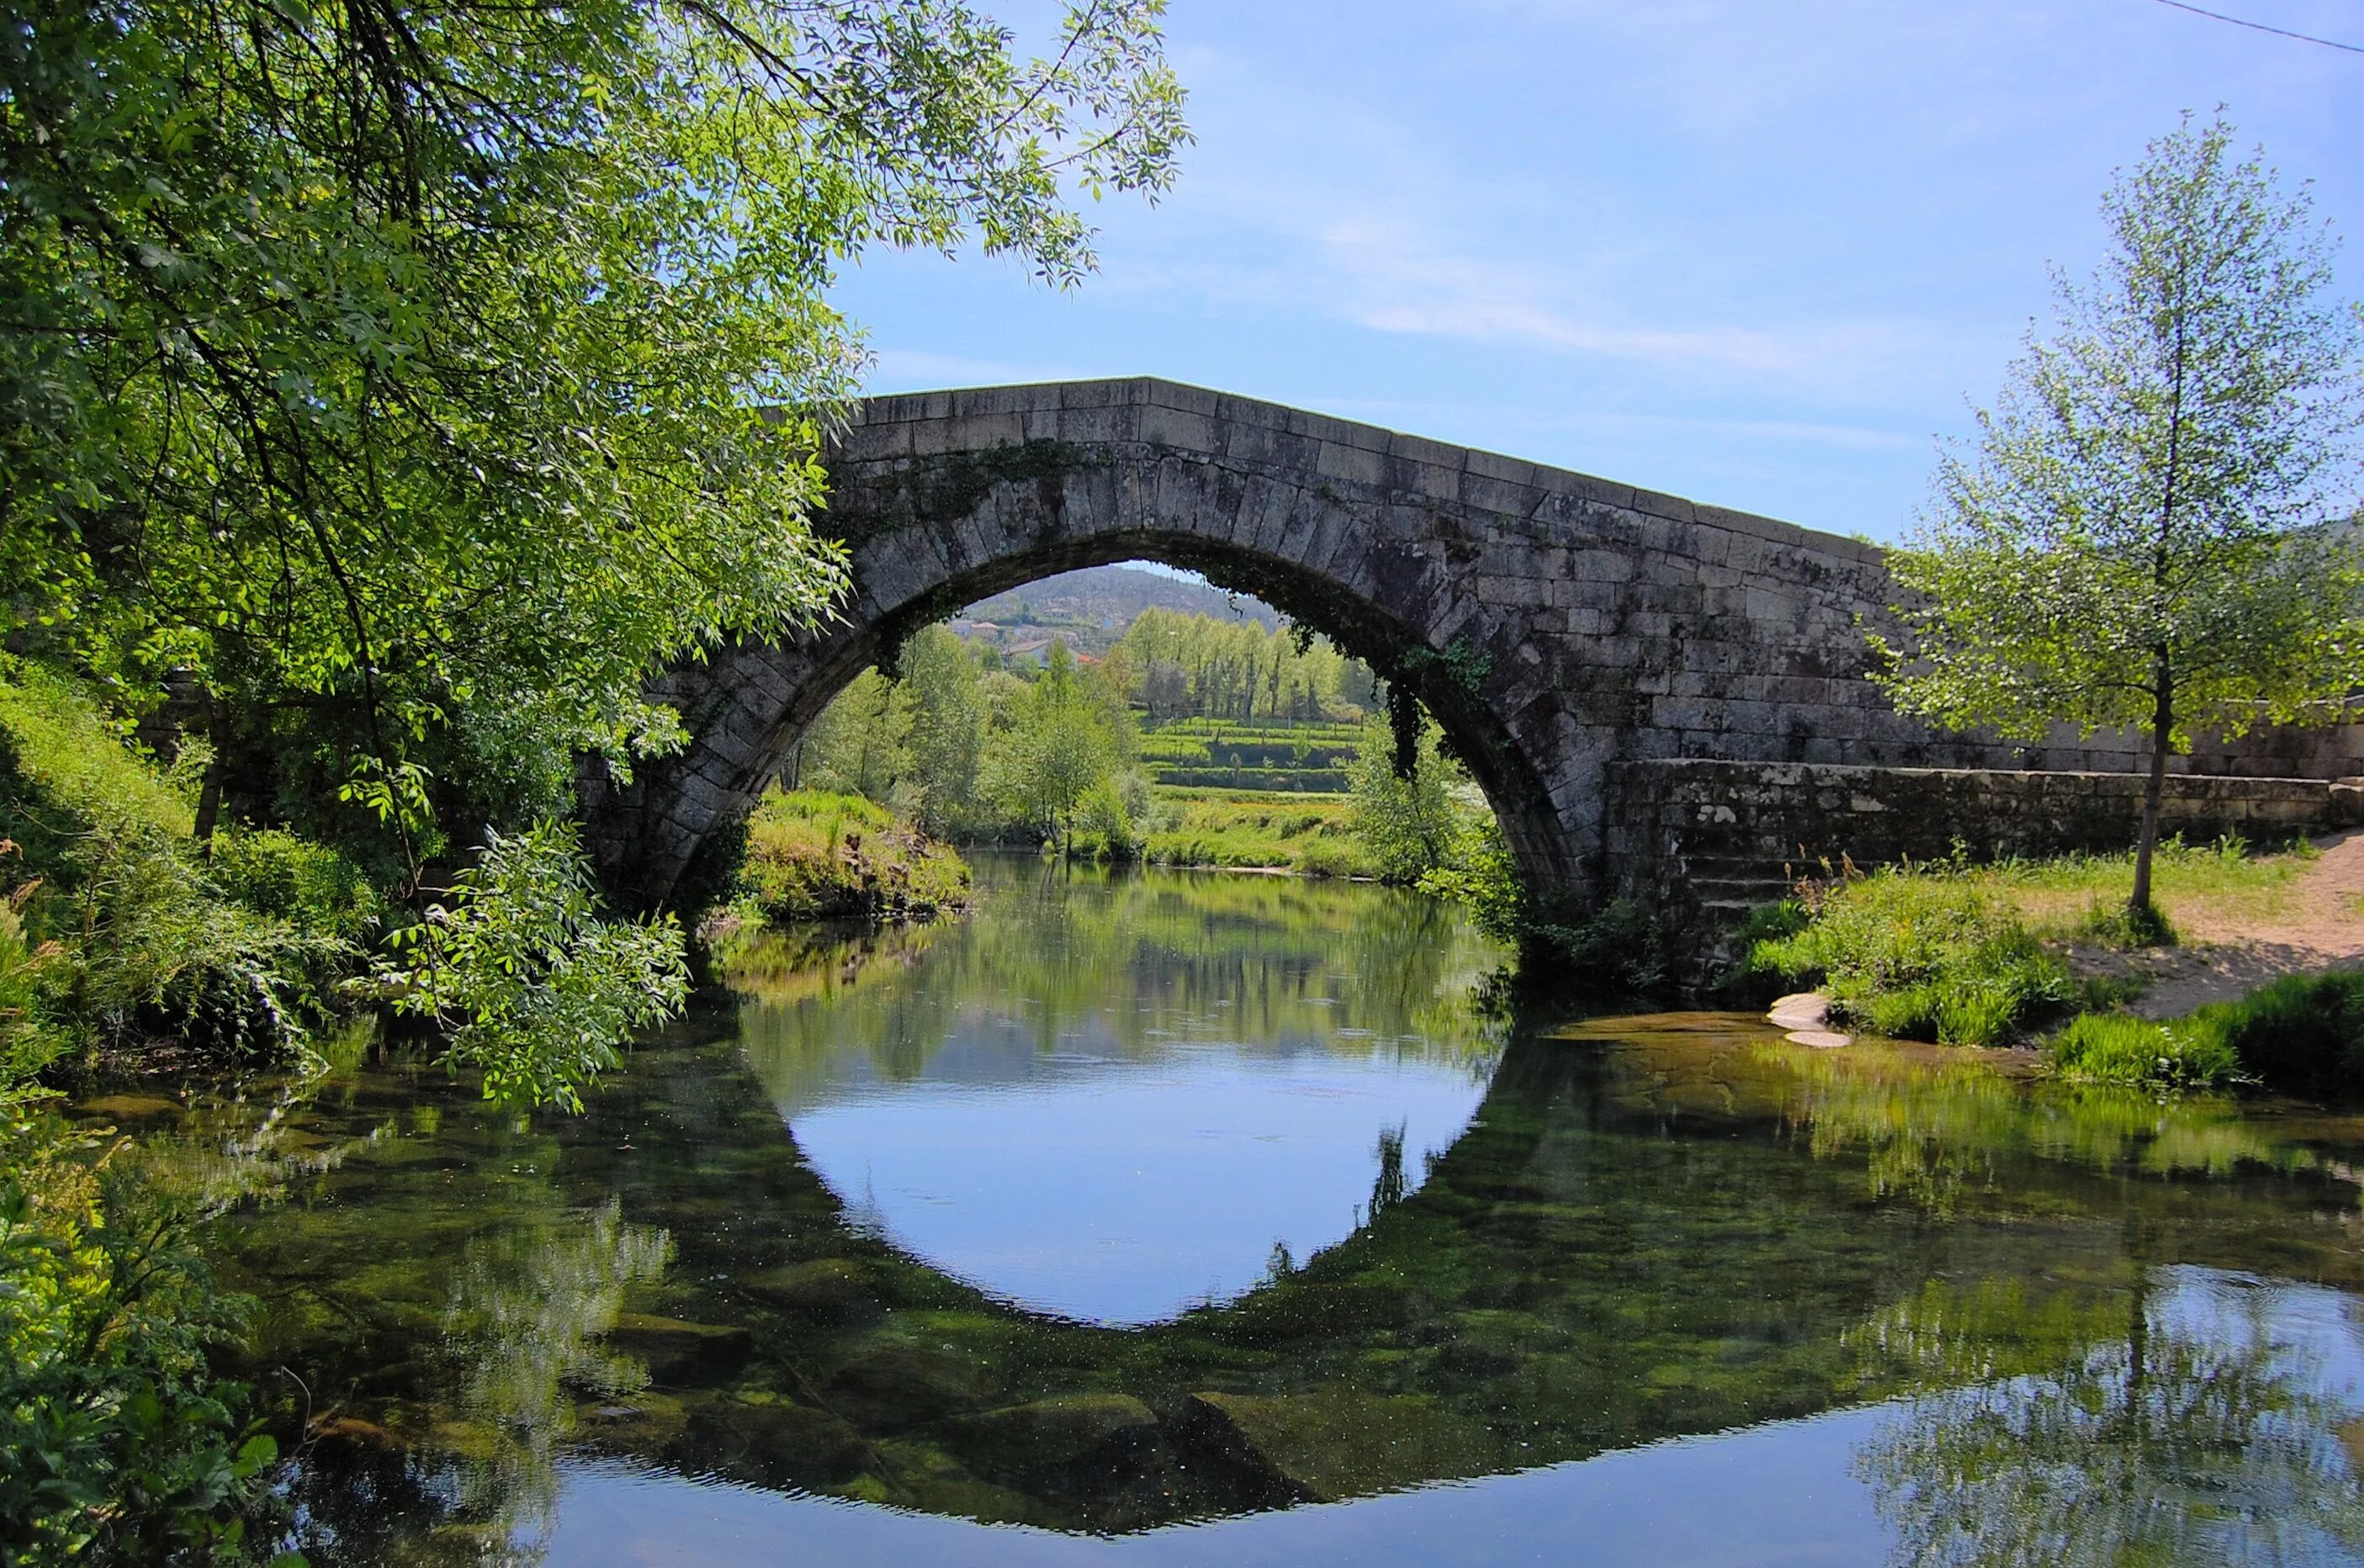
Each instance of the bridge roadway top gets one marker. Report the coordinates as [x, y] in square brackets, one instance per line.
[1155, 412]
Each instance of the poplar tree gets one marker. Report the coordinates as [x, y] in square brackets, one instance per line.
[2153, 529]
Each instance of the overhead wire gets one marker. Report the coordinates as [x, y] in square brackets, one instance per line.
[2262, 27]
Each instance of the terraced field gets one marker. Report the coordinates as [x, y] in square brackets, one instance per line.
[1268, 758]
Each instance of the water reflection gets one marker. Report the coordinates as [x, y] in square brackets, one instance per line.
[2208, 1419]
[1965, 1317]
[1110, 1097]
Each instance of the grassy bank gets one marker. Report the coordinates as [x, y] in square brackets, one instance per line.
[2303, 1033]
[1916, 955]
[1977, 954]
[1306, 833]
[814, 855]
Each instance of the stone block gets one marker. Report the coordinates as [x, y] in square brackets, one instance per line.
[1352, 464]
[1101, 426]
[1184, 398]
[1510, 470]
[1179, 429]
[1004, 400]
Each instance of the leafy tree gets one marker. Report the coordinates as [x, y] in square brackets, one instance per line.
[2136, 540]
[399, 375]
[946, 691]
[1067, 734]
[1409, 824]
[861, 743]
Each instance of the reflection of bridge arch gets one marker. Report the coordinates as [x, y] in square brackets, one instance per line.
[1582, 1271]
[1531, 1303]
[1559, 626]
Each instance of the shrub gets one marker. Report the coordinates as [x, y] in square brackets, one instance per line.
[1105, 821]
[2123, 927]
[2303, 1032]
[814, 855]
[526, 981]
[2114, 1047]
[1483, 880]
[142, 939]
[1620, 947]
[120, 1445]
[311, 886]
[1919, 955]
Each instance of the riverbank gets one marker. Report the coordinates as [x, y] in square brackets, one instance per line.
[2307, 919]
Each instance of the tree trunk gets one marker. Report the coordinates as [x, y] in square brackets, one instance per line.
[2162, 728]
[210, 792]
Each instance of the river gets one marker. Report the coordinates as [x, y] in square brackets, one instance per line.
[1180, 1218]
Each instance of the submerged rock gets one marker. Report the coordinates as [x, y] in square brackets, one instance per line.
[827, 1290]
[1061, 1431]
[1338, 1443]
[681, 1351]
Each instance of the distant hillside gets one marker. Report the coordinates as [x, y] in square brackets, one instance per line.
[1090, 609]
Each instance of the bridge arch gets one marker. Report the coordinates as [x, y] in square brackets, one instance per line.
[1582, 641]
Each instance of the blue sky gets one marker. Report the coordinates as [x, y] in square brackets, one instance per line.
[1757, 254]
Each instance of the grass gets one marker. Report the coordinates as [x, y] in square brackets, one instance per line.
[2081, 896]
[1308, 833]
[815, 855]
[1971, 954]
[2304, 1032]
[1919, 955]
[2114, 1047]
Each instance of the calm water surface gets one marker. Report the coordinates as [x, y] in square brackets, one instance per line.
[1216, 1219]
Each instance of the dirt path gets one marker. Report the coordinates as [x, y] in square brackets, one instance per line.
[2317, 924]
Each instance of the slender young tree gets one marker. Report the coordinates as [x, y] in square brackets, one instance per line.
[2153, 529]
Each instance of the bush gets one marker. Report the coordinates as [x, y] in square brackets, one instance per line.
[2113, 1048]
[120, 1445]
[814, 855]
[141, 938]
[1620, 947]
[1483, 880]
[1919, 955]
[526, 981]
[2121, 927]
[2303, 1032]
[311, 886]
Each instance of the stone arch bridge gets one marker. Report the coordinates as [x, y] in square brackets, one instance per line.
[1655, 694]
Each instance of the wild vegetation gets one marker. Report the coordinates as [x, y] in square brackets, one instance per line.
[1196, 741]
[1903, 947]
[816, 855]
[1916, 955]
[2303, 1033]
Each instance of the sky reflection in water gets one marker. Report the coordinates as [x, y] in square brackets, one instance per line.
[1103, 1129]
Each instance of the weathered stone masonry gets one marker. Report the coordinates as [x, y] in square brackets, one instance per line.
[1564, 629]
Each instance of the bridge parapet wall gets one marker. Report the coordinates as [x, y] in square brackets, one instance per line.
[1737, 833]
